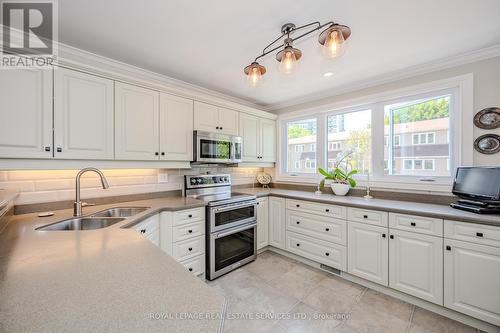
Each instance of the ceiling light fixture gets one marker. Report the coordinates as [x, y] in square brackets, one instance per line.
[327, 74]
[332, 39]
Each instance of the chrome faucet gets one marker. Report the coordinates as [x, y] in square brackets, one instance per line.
[77, 206]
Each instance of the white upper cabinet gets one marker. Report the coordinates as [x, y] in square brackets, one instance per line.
[26, 113]
[176, 128]
[214, 119]
[136, 123]
[249, 131]
[416, 265]
[367, 252]
[83, 116]
[259, 138]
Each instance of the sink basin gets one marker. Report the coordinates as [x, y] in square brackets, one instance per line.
[120, 212]
[81, 223]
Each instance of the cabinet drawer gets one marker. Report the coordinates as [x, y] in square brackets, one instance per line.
[327, 253]
[472, 232]
[317, 208]
[325, 228]
[420, 224]
[188, 230]
[188, 248]
[195, 265]
[190, 215]
[148, 225]
[374, 217]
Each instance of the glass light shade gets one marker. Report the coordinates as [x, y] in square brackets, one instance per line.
[334, 44]
[254, 73]
[288, 63]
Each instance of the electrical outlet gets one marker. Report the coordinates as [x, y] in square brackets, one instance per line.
[162, 176]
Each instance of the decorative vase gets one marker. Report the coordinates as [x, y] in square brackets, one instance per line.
[340, 189]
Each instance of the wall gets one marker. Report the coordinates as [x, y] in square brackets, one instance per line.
[59, 185]
[486, 94]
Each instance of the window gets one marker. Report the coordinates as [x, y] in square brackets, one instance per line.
[395, 142]
[310, 164]
[332, 146]
[417, 150]
[355, 138]
[299, 135]
[336, 124]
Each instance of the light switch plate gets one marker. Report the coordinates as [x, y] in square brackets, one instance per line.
[162, 176]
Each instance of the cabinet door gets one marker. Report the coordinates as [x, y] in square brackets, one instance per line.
[368, 252]
[277, 222]
[26, 113]
[83, 116]
[176, 128]
[472, 280]
[206, 117]
[416, 265]
[228, 121]
[136, 123]
[249, 131]
[262, 222]
[267, 140]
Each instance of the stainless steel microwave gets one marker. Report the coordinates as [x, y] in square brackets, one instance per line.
[216, 148]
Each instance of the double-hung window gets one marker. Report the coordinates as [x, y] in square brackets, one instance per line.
[298, 135]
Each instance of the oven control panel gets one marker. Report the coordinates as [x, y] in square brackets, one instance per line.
[207, 181]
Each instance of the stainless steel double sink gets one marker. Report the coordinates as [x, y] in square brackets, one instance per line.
[102, 219]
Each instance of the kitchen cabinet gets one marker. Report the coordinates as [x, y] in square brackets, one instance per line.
[26, 113]
[472, 279]
[176, 128]
[368, 252]
[416, 265]
[83, 116]
[136, 123]
[262, 223]
[149, 228]
[277, 226]
[259, 138]
[214, 119]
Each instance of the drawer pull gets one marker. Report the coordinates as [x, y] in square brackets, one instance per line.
[190, 231]
[327, 254]
[391, 236]
[413, 224]
[190, 249]
[479, 234]
[297, 205]
[298, 244]
[190, 269]
[383, 235]
[157, 153]
[143, 231]
[448, 248]
[47, 148]
[298, 222]
[365, 216]
[190, 215]
[327, 210]
[327, 229]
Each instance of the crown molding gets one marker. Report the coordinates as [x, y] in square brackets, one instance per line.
[433, 66]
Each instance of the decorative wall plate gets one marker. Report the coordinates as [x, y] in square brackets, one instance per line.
[488, 118]
[488, 144]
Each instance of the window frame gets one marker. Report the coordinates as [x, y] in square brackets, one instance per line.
[460, 133]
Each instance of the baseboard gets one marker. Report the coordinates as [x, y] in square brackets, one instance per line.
[465, 319]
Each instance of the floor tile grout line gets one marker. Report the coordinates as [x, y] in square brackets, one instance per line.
[410, 319]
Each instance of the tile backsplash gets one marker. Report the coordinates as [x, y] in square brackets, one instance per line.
[40, 186]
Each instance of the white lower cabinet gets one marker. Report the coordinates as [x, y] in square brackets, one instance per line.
[368, 252]
[278, 226]
[416, 265]
[262, 222]
[150, 229]
[472, 279]
[182, 235]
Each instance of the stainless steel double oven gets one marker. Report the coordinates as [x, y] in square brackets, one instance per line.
[231, 223]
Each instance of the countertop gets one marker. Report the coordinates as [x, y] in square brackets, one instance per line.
[406, 207]
[109, 279]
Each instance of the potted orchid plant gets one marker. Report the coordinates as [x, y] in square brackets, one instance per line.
[341, 176]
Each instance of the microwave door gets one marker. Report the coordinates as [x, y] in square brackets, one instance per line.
[214, 150]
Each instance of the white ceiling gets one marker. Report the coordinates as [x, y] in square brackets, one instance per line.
[208, 42]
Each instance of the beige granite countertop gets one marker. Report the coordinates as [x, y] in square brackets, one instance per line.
[406, 207]
[110, 279]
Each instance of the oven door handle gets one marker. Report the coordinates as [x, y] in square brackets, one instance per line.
[234, 206]
[233, 231]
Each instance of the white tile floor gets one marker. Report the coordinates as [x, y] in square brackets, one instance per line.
[296, 294]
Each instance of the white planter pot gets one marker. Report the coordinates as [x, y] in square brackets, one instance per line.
[340, 189]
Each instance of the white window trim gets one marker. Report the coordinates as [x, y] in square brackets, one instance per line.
[461, 130]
